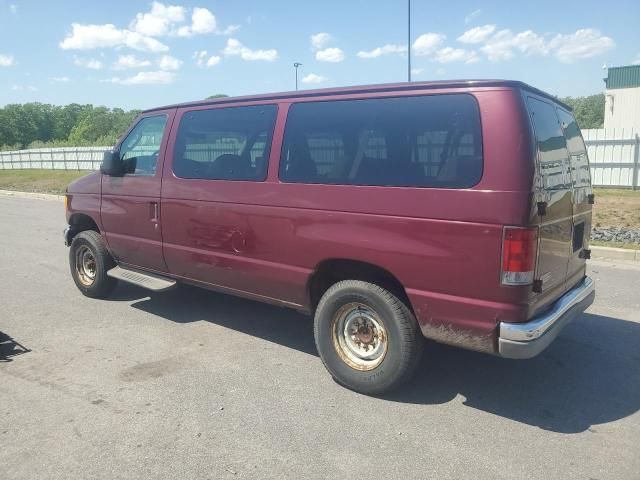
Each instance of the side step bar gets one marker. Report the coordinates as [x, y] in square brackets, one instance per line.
[142, 279]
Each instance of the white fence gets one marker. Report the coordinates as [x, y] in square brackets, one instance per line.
[614, 156]
[67, 158]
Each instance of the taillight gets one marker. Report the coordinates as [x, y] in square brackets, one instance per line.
[519, 246]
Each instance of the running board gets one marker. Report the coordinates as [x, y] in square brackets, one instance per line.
[144, 280]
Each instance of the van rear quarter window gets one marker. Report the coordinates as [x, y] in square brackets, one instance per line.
[551, 145]
[580, 172]
[225, 143]
[420, 141]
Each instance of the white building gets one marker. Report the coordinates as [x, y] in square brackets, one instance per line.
[622, 99]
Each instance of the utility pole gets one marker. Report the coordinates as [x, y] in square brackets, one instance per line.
[296, 65]
[409, 40]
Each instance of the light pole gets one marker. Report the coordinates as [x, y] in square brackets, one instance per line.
[409, 40]
[296, 65]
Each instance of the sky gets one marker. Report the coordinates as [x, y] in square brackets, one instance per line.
[142, 54]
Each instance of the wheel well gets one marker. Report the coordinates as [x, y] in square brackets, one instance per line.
[81, 222]
[333, 271]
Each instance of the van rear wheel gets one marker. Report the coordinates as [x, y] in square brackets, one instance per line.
[367, 337]
[90, 261]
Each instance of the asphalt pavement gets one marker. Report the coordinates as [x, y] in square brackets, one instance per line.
[194, 384]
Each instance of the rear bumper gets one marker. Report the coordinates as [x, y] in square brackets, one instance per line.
[526, 340]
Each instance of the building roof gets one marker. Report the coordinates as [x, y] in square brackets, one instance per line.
[387, 87]
[623, 77]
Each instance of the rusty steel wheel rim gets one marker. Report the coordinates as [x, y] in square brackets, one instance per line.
[359, 336]
[86, 265]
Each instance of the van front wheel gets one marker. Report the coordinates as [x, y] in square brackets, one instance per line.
[90, 261]
[367, 337]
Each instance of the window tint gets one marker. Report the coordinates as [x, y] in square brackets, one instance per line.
[225, 144]
[552, 146]
[140, 149]
[580, 173]
[429, 141]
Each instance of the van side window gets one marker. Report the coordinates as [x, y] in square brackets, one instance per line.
[141, 147]
[580, 172]
[422, 141]
[225, 143]
[551, 145]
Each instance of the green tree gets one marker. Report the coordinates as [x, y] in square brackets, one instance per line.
[217, 95]
[589, 111]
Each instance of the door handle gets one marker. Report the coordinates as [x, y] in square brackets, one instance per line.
[153, 212]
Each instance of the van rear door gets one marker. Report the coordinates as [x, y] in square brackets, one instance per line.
[582, 198]
[553, 203]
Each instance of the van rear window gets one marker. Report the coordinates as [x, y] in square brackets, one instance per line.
[551, 145]
[424, 141]
[580, 172]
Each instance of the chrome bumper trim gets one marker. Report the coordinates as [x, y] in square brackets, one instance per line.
[526, 340]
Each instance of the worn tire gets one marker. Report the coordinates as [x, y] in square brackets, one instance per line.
[404, 339]
[102, 285]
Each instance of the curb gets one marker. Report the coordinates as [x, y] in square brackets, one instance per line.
[610, 253]
[39, 196]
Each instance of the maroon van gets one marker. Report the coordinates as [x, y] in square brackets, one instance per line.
[459, 211]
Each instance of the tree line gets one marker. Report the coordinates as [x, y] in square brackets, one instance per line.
[35, 125]
[589, 111]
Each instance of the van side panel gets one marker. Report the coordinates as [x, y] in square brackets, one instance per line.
[443, 245]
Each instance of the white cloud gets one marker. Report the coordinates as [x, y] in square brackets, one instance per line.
[417, 71]
[202, 21]
[7, 60]
[235, 48]
[19, 88]
[13, 8]
[472, 15]
[159, 20]
[477, 34]
[320, 40]
[213, 61]
[636, 61]
[145, 78]
[87, 37]
[332, 55]
[90, 63]
[449, 55]
[499, 47]
[167, 62]
[567, 48]
[230, 30]
[203, 59]
[584, 43]
[60, 79]
[427, 44]
[313, 78]
[130, 61]
[388, 49]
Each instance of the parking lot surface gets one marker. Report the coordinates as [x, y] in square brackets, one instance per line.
[195, 384]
